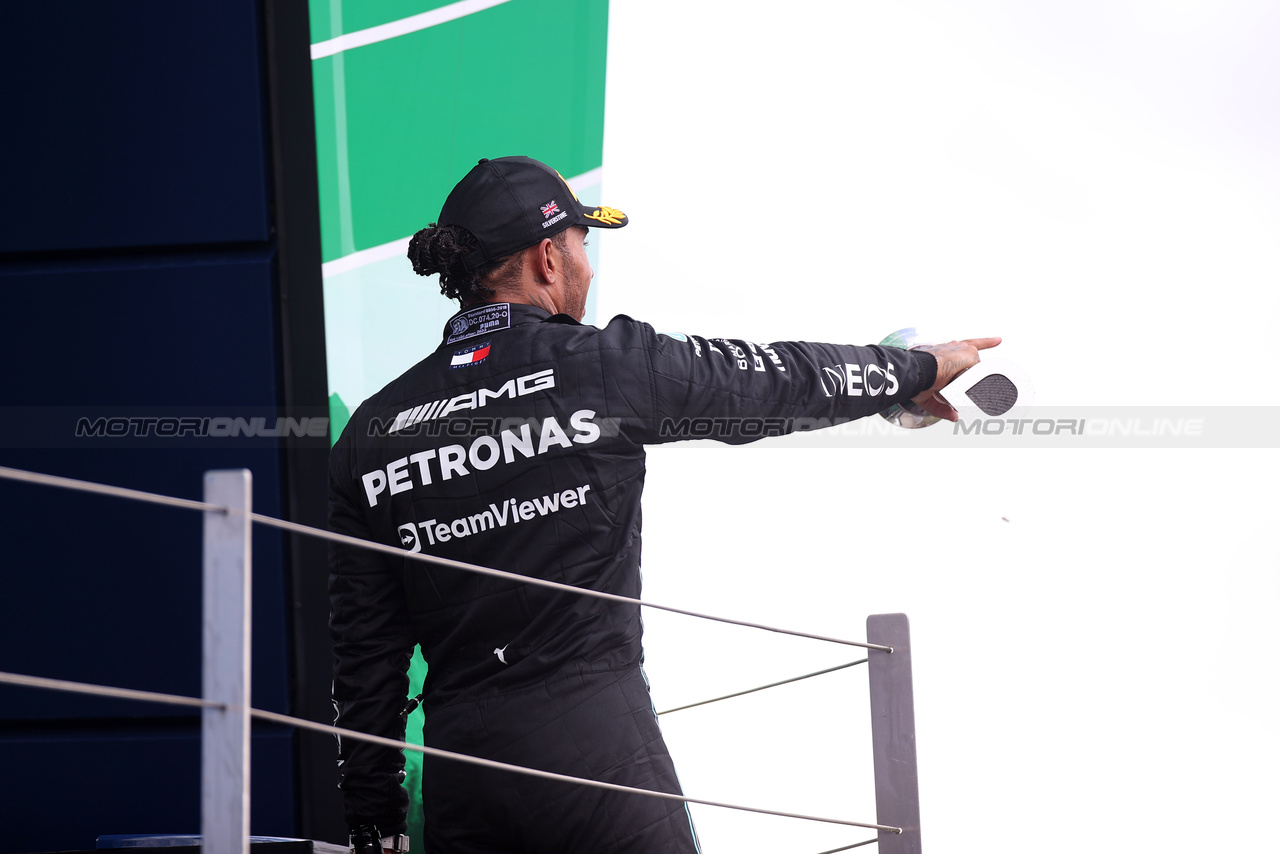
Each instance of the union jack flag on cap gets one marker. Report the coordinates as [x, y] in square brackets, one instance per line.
[550, 208]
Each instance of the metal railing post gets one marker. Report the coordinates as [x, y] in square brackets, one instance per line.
[224, 803]
[893, 733]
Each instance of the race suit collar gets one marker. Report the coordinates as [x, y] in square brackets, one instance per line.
[495, 316]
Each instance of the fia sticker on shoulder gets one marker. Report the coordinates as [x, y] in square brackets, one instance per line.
[480, 320]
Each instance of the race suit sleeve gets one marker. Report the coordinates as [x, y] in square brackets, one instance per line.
[372, 647]
[736, 391]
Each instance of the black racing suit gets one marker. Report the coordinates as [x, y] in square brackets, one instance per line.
[519, 445]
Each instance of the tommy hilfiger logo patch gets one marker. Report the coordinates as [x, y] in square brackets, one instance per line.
[470, 356]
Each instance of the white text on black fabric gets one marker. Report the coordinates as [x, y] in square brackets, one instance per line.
[511, 389]
[484, 452]
[511, 511]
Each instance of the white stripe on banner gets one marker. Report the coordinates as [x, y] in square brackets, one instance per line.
[365, 257]
[411, 24]
[395, 248]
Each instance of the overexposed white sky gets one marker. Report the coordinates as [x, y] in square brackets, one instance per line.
[1094, 629]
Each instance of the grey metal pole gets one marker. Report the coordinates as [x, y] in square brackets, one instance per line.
[893, 733]
[224, 805]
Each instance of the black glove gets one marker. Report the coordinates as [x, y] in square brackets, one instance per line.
[365, 839]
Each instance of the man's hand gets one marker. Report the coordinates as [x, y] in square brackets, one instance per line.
[954, 358]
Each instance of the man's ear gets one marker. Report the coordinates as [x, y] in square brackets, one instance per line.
[546, 261]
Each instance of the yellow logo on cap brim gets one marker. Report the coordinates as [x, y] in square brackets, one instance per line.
[609, 216]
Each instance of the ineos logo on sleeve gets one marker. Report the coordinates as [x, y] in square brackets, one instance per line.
[854, 380]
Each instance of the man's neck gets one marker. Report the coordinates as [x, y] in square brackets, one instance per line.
[538, 298]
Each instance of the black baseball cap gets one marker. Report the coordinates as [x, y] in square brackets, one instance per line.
[510, 203]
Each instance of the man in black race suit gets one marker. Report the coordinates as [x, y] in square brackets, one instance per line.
[519, 444]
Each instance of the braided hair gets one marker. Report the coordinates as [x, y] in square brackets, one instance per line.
[441, 248]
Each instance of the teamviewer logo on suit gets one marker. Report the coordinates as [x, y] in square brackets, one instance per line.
[409, 538]
[470, 356]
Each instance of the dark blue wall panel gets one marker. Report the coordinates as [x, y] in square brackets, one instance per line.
[179, 330]
[108, 591]
[139, 277]
[88, 783]
[127, 338]
[132, 124]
